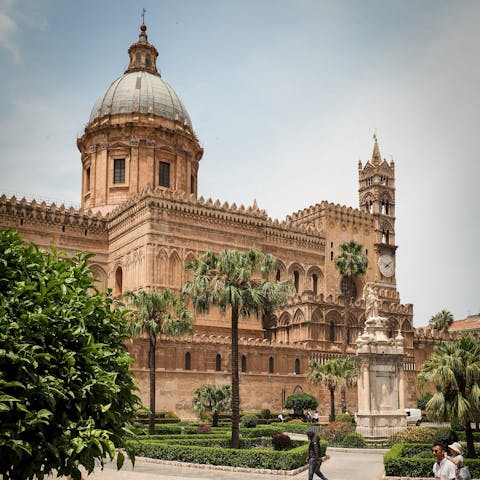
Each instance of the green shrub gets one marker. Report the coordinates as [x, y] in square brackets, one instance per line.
[415, 460]
[249, 421]
[412, 434]
[354, 440]
[445, 435]
[280, 441]
[345, 417]
[257, 458]
[335, 432]
[262, 431]
[265, 414]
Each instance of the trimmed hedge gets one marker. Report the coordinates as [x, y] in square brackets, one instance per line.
[410, 460]
[257, 458]
[300, 427]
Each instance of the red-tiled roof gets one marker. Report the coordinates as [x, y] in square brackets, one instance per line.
[470, 323]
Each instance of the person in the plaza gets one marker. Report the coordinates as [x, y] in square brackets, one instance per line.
[314, 460]
[443, 469]
[456, 457]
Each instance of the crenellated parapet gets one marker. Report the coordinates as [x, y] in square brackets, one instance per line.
[316, 215]
[205, 339]
[214, 211]
[22, 210]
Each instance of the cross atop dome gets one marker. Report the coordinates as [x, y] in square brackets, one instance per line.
[143, 55]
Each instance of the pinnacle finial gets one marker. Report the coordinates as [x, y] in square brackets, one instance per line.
[376, 157]
[143, 16]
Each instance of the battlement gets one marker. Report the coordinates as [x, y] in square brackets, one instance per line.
[333, 211]
[41, 213]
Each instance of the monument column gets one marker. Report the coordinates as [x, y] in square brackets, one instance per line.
[381, 393]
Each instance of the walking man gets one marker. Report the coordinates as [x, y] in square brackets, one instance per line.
[313, 458]
[443, 469]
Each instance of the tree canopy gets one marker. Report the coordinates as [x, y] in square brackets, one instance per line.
[441, 321]
[212, 398]
[157, 312]
[335, 373]
[299, 402]
[236, 281]
[454, 371]
[66, 389]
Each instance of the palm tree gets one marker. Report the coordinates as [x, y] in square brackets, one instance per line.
[351, 263]
[454, 371]
[157, 312]
[214, 399]
[441, 321]
[336, 373]
[237, 281]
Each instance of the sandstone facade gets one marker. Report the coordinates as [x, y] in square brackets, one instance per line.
[142, 217]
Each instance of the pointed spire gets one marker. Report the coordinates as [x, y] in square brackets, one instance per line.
[376, 157]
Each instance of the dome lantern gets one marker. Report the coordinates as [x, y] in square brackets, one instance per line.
[143, 55]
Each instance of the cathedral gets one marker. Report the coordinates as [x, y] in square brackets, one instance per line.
[142, 217]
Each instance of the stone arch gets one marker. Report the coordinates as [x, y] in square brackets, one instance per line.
[299, 317]
[297, 274]
[189, 258]
[160, 276]
[392, 327]
[99, 275]
[333, 324]
[281, 271]
[175, 270]
[367, 202]
[118, 290]
[317, 315]
[285, 320]
[314, 279]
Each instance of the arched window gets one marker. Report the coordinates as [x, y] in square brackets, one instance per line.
[188, 361]
[277, 276]
[270, 365]
[331, 331]
[296, 279]
[138, 60]
[297, 366]
[148, 61]
[119, 281]
[218, 363]
[314, 283]
[244, 363]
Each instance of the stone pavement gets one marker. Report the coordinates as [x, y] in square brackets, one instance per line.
[343, 464]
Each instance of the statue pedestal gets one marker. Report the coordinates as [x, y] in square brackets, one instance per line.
[381, 403]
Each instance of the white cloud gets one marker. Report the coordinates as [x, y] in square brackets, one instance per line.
[8, 28]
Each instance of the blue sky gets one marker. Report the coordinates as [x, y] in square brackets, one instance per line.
[285, 96]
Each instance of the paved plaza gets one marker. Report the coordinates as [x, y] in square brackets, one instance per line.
[342, 465]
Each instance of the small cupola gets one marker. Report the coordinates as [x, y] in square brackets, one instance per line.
[143, 55]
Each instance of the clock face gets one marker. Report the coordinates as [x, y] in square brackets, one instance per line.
[386, 265]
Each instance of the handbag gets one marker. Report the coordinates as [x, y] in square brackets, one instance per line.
[464, 473]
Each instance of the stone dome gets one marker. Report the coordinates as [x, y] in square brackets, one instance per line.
[141, 92]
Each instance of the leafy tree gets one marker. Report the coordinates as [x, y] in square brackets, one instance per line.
[422, 402]
[299, 402]
[454, 371]
[157, 312]
[336, 373]
[441, 321]
[351, 263]
[66, 388]
[239, 282]
[213, 398]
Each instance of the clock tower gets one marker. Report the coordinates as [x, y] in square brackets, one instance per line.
[377, 196]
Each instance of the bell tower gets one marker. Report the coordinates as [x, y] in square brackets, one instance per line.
[377, 196]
